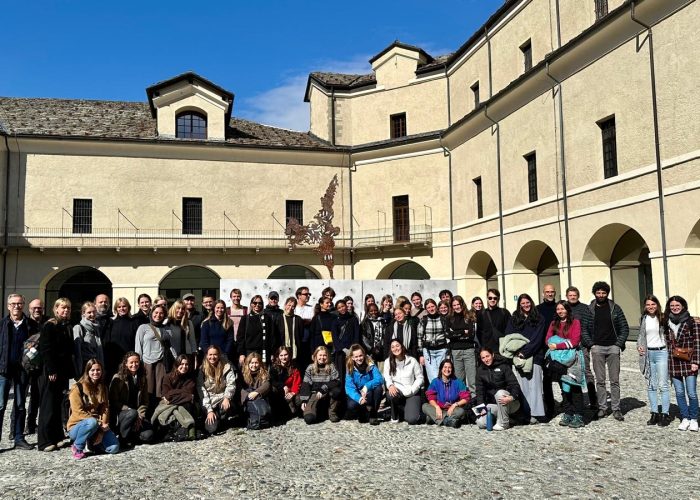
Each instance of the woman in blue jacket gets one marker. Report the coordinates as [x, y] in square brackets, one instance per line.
[527, 321]
[363, 386]
[217, 330]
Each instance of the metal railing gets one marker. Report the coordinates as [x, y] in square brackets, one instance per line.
[130, 237]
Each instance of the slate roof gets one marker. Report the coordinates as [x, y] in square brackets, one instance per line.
[128, 120]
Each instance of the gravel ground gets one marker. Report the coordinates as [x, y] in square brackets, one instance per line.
[606, 459]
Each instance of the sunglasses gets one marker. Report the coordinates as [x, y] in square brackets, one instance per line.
[257, 303]
[492, 298]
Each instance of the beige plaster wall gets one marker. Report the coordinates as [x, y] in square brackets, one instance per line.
[475, 68]
[320, 113]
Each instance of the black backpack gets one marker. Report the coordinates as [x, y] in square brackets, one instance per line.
[259, 412]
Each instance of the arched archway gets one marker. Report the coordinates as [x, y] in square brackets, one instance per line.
[293, 272]
[403, 270]
[538, 258]
[482, 268]
[626, 253]
[197, 280]
[693, 240]
[78, 284]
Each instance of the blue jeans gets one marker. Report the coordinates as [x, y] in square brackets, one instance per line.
[683, 386]
[81, 432]
[433, 358]
[658, 364]
[15, 378]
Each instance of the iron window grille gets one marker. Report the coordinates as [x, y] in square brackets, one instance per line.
[82, 216]
[398, 125]
[191, 216]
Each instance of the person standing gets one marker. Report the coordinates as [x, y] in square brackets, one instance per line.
[461, 332]
[583, 314]
[236, 311]
[606, 343]
[37, 318]
[87, 339]
[195, 316]
[121, 339]
[15, 330]
[653, 360]
[291, 329]
[103, 317]
[143, 316]
[682, 334]
[432, 341]
[492, 322]
[306, 313]
[547, 309]
[256, 333]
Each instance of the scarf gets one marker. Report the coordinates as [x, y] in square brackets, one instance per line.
[405, 332]
[289, 336]
[90, 327]
[676, 320]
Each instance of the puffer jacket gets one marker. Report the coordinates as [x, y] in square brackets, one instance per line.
[209, 396]
[355, 381]
[620, 326]
[491, 379]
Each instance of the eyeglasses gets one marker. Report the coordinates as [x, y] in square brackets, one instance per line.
[257, 303]
[273, 298]
[40, 308]
[16, 304]
[305, 294]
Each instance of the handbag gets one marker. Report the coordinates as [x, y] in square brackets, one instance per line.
[682, 353]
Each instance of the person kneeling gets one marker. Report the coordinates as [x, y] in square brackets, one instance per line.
[128, 401]
[216, 385]
[89, 414]
[404, 379]
[256, 387]
[447, 395]
[174, 415]
[363, 386]
[497, 389]
[320, 390]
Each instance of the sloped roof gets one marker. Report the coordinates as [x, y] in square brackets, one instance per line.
[128, 120]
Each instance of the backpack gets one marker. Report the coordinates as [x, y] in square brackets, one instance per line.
[31, 358]
[259, 412]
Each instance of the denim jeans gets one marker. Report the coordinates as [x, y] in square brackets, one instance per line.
[433, 358]
[687, 386]
[658, 364]
[15, 378]
[81, 432]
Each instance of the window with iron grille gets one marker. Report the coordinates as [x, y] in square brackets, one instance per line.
[295, 210]
[531, 160]
[607, 129]
[479, 199]
[191, 125]
[475, 93]
[526, 49]
[398, 125]
[191, 216]
[402, 224]
[601, 9]
[82, 216]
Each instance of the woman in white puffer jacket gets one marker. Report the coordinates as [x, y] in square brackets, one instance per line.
[403, 376]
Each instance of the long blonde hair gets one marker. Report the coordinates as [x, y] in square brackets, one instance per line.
[226, 323]
[262, 371]
[185, 321]
[316, 368]
[350, 363]
[215, 373]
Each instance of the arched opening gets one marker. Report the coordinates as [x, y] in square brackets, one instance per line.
[191, 125]
[693, 240]
[77, 284]
[293, 272]
[539, 258]
[482, 267]
[196, 280]
[626, 253]
[403, 270]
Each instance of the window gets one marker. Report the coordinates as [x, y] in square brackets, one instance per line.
[531, 160]
[479, 199]
[398, 125]
[402, 223]
[475, 92]
[526, 49]
[607, 128]
[191, 216]
[191, 125]
[82, 216]
[295, 210]
[601, 9]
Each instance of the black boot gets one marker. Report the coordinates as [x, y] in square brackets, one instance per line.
[665, 420]
[654, 419]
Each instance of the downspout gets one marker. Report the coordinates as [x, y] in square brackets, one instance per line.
[500, 204]
[488, 51]
[333, 116]
[6, 237]
[352, 234]
[657, 147]
[562, 156]
[447, 153]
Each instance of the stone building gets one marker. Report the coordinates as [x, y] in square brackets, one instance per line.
[560, 143]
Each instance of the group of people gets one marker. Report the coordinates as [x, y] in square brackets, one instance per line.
[172, 372]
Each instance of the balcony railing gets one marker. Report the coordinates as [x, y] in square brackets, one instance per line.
[223, 239]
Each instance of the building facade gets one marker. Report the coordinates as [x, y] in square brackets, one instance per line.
[560, 143]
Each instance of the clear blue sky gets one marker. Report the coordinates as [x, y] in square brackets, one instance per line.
[261, 51]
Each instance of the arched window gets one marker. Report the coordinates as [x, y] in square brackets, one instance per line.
[191, 125]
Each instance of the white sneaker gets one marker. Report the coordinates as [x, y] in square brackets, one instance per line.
[498, 427]
[685, 424]
[693, 426]
[394, 420]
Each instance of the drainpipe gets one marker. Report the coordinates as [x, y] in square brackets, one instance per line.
[562, 161]
[333, 116]
[6, 238]
[500, 204]
[657, 146]
[448, 154]
[352, 234]
[488, 49]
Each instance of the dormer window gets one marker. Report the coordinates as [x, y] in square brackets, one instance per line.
[191, 125]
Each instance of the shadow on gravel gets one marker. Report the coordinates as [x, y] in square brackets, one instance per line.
[629, 404]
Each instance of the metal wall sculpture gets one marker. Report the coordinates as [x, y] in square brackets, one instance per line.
[321, 232]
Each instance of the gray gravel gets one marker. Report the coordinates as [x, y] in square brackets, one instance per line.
[606, 459]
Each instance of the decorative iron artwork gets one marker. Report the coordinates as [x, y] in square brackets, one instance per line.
[321, 231]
